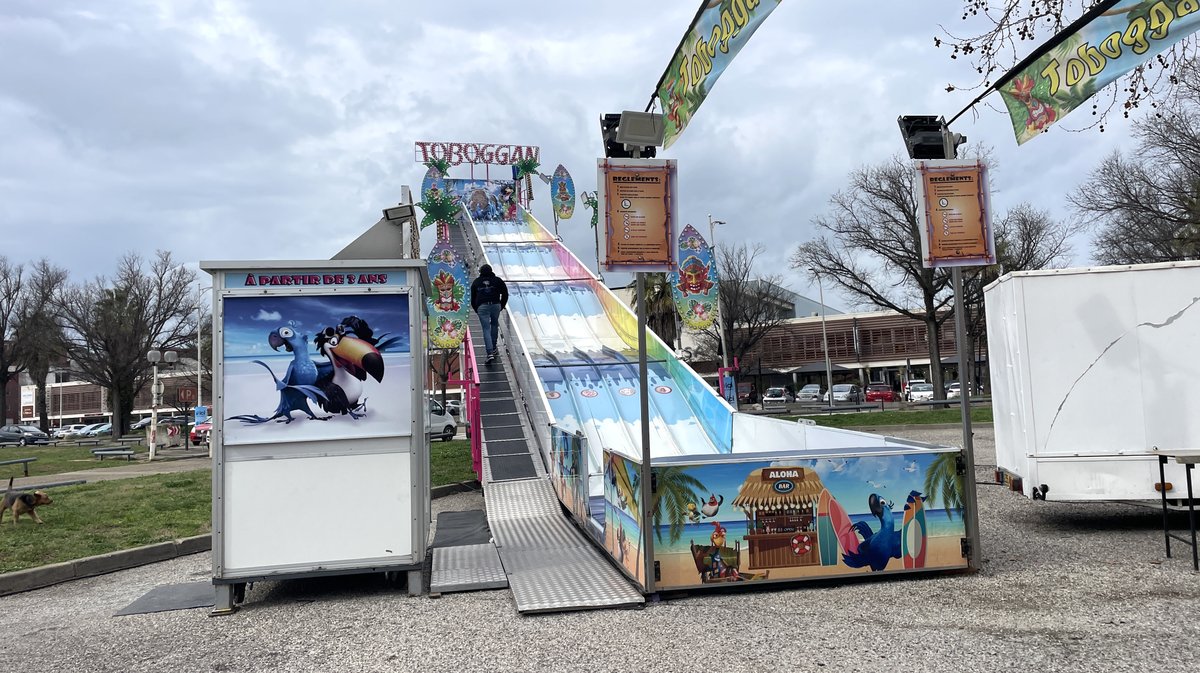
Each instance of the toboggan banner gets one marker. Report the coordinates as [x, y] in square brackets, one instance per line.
[719, 31]
[1109, 41]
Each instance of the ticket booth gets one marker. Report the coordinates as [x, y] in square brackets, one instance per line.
[320, 445]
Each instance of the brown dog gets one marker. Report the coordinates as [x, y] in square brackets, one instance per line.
[23, 503]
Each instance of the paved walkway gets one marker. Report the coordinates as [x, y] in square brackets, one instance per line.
[127, 470]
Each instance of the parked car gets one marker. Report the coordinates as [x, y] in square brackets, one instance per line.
[953, 390]
[880, 392]
[919, 392]
[83, 432]
[68, 430]
[846, 392]
[144, 423]
[100, 430]
[810, 393]
[174, 420]
[24, 434]
[907, 390]
[199, 433]
[440, 423]
[454, 407]
[777, 397]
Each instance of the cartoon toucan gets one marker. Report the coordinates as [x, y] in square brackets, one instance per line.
[296, 387]
[713, 505]
[879, 546]
[350, 361]
[357, 327]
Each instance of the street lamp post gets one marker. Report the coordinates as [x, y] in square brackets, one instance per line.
[824, 337]
[199, 348]
[712, 242]
[156, 393]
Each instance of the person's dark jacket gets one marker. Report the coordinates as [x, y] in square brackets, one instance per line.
[488, 284]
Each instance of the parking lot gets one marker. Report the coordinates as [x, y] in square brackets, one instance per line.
[1064, 587]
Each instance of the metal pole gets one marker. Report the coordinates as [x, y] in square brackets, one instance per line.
[969, 495]
[825, 340]
[647, 492]
[154, 413]
[199, 350]
[720, 320]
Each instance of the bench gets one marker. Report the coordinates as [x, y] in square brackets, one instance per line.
[130, 441]
[101, 453]
[6, 444]
[83, 440]
[23, 462]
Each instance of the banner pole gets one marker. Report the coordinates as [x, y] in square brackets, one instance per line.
[647, 494]
[970, 497]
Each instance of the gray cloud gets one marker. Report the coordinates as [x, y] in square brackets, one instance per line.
[224, 129]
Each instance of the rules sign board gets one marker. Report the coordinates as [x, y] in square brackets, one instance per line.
[953, 213]
[638, 199]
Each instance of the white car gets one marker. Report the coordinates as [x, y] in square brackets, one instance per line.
[68, 430]
[440, 423]
[777, 397]
[846, 392]
[919, 392]
[953, 390]
[810, 393]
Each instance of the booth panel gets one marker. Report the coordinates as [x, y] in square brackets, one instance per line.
[793, 518]
[623, 515]
[318, 510]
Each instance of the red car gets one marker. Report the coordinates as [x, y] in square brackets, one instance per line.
[199, 433]
[880, 392]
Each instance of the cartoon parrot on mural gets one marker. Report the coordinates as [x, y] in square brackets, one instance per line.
[878, 547]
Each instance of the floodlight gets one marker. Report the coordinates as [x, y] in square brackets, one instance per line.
[401, 212]
[640, 129]
[928, 137]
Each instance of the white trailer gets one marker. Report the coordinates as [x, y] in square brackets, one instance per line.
[320, 435]
[1091, 370]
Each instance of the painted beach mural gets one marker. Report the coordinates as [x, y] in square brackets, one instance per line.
[568, 471]
[791, 519]
[622, 527]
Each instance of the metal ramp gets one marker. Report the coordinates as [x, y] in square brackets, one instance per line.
[548, 563]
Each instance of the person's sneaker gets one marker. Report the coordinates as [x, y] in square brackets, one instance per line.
[490, 358]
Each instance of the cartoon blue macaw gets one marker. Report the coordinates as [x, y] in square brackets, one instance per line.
[296, 387]
[877, 547]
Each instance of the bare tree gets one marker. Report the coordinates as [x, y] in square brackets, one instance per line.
[110, 325]
[1148, 205]
[40, 340]
[12, 288]
[872, 251]
[1012, 29]
[751, 302]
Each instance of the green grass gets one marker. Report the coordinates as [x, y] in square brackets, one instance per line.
[450, 462]
[922, 417]
[107, 516]
[55, 459]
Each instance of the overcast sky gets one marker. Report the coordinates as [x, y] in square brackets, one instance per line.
[278, 129]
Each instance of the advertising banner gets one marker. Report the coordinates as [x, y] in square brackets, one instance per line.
[562, 191]
[638, 200]
[694, 284]
[953, 212]
[291, 360]
[1106, 43]
[448, 300]
[716, 35]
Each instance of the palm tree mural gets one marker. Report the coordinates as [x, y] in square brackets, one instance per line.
[942, 481]
[661, 314]
[674, 489]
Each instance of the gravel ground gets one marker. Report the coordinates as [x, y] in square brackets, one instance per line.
[1063, 588]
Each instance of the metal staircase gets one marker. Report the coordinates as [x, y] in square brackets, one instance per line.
[549, 563]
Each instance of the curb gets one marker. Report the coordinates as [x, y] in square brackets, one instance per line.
[56, 573]
[919, 426]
